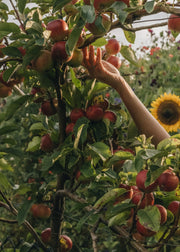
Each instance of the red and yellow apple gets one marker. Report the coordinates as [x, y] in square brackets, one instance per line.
[59, 29]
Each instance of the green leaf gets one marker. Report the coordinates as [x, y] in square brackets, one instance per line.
[4, 183]
[33, 26]
[59, 4]
[88, 170]
[8, 128]
[129, 55]
[9, 27]
[100, 42]
[168, 143]
[118, 9]
[4, 165]
[130, 36]
[11, 51]
[37, 126]
[101, 150]
[76, 81]
[149, 6]
[21, 5]
[32, 52]
[109, 197]
[150, 218]
[3, 6]
[119, 155]
[74, 36]
[118, 208]
[23, 211]
[15, 105]
[34, 144]
[87, 13]
[80, 130]
[8, 73]
[119, 219]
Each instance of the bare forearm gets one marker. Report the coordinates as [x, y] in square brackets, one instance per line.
[143, 119]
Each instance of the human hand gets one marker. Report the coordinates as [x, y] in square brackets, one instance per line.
[100, 69]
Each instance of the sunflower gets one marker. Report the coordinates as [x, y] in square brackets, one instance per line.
[166, 109]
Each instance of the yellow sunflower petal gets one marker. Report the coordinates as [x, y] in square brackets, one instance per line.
[166, 109]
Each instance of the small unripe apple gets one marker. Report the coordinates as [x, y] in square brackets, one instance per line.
[46, 235]
[163, 213]
[77, 58]
[59, 29]
[174, 23]
[48, 108]
[43, 62]
[115, 61]
[40, 211]
[112, 47]
[110, 115]
[174, 207]
[140, 182]
[143, 230]
[94, 113]
[46, 144]
[76, 113]
[69, 128]
[59, 53]
[66, 243]
[92, 27]
[168, 181]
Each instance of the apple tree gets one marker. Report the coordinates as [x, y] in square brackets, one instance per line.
[71, 162]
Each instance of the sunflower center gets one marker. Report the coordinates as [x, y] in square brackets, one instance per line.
[168, 112]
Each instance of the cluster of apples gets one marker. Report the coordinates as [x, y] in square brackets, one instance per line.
[65, 241]
[143, 196]
[95, 112]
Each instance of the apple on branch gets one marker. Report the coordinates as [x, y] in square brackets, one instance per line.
[112, 47]
[59, 29]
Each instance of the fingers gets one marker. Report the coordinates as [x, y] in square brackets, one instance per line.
[92, 57]
[85, 56]
[98, 56]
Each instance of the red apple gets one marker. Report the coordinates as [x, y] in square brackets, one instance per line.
[59, 53]
[40, 211]
[140, 182]
[1, 53]
[22, 50]
[112, 47]
[87, 2]
[35, 90]
[110, 115]
[46, 235]
[125, 1]
[143, 230]
[46, 144]
[95, 30]
[43, 62]
[76, 113]
[115, 61]
[66, 243]
[48, 108]
[174, 23]
[174, 207]
[168, 181]
[163, 213]
[77, 58]
[138, 195]
[59, 29]
[94, 113]
[69, 128]
[5, 91]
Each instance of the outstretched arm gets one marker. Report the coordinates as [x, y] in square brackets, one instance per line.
[107, 73]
